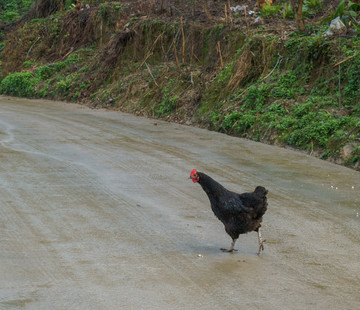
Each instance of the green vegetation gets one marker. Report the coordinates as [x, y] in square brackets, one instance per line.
[53, 80]
[300, 90]
[300, 104]
[166, 105]
[18, 84]
[11, 10]
[346, 10]
[270, 10]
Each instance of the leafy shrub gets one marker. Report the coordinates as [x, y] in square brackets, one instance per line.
[346, 10]
[225, 74]
[63, 86]
[214, 119]
[352, 89]
[238, 122]
[287, 86]
[44, 72]
[277, 108]
[283, 92]
[270, 10]
[256, 97]
[166, 105]
[11, 10]
[311, 7]
[355, 157]
[315, 128]
[18, 84]
[302, 109]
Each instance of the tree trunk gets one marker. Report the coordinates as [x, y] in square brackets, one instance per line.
[297, 8]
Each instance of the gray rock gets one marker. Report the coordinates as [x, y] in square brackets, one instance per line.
[336, 27]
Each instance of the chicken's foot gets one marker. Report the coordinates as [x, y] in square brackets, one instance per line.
[231, 247]
[261, 241]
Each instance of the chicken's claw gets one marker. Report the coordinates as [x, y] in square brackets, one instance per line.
[261, 247]
[228, 250]
[231, 247]
[261, 242]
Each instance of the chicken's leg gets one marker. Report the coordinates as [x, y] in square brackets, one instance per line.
[261, 241]
[231, 247]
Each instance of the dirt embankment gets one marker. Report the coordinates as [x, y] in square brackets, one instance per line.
[237, 71]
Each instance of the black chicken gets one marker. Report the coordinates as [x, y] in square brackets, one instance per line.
[240, 213]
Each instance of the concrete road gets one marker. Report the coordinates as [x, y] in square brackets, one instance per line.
[97, 212]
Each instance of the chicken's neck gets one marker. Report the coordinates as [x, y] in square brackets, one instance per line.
[210, 186]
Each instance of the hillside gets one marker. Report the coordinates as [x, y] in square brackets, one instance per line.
[224, 65]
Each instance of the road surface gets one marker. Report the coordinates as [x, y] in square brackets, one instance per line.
[97, 212]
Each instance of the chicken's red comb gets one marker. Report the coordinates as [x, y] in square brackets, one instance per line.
[194, 176]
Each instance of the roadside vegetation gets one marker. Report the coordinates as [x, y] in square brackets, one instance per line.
[229, 67]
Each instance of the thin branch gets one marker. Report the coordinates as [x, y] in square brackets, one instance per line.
[147, 66]
[346, 59]
[183, 40]
[149, 53]
[175, 39]
[31, 47]
[176, 56]
[277, 63]
[221, 59]
[339, 87]
[230, 15]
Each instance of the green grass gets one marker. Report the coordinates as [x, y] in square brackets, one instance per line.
[11, 10]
